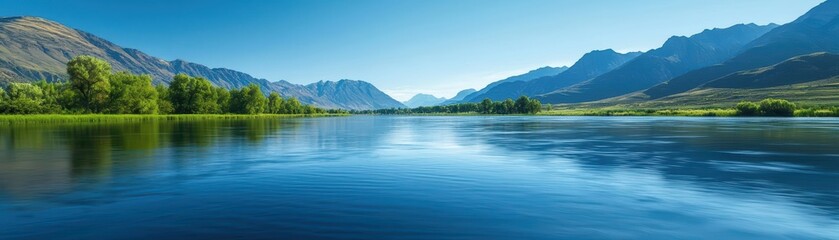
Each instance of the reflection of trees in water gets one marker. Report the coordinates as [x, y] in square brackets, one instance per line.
[25, 136]
[796, 158]
[47, 158]
[329, 135]
[257, 130]
[191, 133]
[145, 136]
[90, 149]
[26, 169]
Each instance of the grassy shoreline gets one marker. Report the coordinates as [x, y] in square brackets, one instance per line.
[610, 112]
[113, 118]
[603, 112]
[711, 112]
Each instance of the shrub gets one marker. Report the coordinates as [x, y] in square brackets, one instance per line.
[777, 107]
[747, 109]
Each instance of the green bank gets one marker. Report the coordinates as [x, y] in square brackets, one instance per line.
[120, 118]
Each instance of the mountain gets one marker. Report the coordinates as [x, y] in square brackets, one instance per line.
[801, 69]
[422, 100]
[676, 56]
[459, 96]
[34, 48]
[591, 65]
[531, 75]
[463, 94]
[351, 94]
[811, 79]
[815, 31]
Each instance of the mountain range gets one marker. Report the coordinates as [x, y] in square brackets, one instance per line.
[815, 31]
[591, 65]
[743, 61]
[743, 56]
[677, 56]
[33, 48]
[526, 77]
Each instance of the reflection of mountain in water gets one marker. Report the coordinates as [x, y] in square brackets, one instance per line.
[750, 154]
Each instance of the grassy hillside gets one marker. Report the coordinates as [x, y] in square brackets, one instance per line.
[816, 93]
[806, 68]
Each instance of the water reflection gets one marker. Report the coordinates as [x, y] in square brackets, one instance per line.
[39, 160]
[791, 157]
[433, 177]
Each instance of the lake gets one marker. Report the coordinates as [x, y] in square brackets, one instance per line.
[404, 177]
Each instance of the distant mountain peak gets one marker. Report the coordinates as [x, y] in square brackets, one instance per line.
[463, 93]
[460, 96]
[608, 50]
[423, 100]
[677, 39]
[600, 56]
[549, 67]
[420, 95]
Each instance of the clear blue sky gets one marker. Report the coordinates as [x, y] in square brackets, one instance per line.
[402, 46]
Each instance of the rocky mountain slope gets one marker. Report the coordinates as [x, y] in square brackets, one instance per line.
[815, 31]
[678, 55]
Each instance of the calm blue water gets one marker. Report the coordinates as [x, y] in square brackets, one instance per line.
[423, 178]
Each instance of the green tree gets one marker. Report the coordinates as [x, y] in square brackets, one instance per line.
[193, 95]
[248, 100]
[486, 106]
[777, 107]
[521, 104]
[237, 101]
[164, 105]
[275, 103]
[508, 106]
[533, 106]
[67, 98]
[309, 109]
[223, 99]
[51, 97]
[293, 106]
[255, 99]
[132, 94]
[89, 78]
[24, 98]
[747, 109]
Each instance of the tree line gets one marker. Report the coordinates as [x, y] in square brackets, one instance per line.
[93, 88]
[522, 105]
